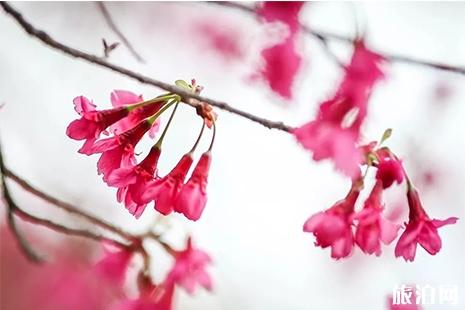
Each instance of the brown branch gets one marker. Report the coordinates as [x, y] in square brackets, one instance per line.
[11, 208]
[103, 9]
[324, 37]
[66, 206]
[66, 230]
[186, 96]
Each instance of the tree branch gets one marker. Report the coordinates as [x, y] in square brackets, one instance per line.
[103, 9]
[324, 37]
[186, 96]
[66, 230]
[11, 208]
[66, 206]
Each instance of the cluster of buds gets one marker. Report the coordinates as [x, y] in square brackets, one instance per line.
[341, 227]
[138, 183]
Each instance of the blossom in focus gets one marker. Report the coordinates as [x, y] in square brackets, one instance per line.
[420, 230]
[372, 227]
[193, 196]
[332, 228]
[189, 271]
[132, 181]
[164, 191]
[118, 151]
[123, 98]
[281, 61]
[92, 122]
[335, 132]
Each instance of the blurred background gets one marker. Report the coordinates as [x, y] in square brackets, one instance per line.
[262, 185]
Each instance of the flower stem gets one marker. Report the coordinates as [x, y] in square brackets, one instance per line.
[160, 140]
[213, 137]
[153, 100]
[198, 139]
[154, 117]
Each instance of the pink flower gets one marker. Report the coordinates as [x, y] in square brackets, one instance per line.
[92, 123]
[118, 151]
[332, 228]
[123, 98]
[328, 140]
[335, 132]
[282, 11]
[193, 196]
[222, 38]
[132, 181]
[281, 65]
[372, 228]
[389, 171]
[165, 191]
[282, 61]
[189, 269]
[420, 229]
[151, 298]
[114, 264]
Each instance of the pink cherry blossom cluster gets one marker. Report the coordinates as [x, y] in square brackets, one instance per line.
[138, 183]
[341, 227]
[335, 135]
[187, 272]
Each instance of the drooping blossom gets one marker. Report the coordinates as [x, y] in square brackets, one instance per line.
[112, 267]
[389, 171]
[193, 196]
[420, 230]
[372, 227]
[92, 122]
[335, 132]
[332, 228]
[189, 271]
[132, 181]
[118, 151]
[164, 191]
[123, 98]
[281, 61]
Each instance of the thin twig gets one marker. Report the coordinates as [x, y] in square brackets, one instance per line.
[115, 29]
[11, 208]
[185, 95]
[66, 230]
[325, 36]
[66, 206]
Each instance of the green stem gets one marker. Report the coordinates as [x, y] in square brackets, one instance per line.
[154, 100]
[160, 140]
[154, 117]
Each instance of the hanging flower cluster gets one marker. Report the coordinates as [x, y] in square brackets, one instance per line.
[187, 272]
[341, 227]
[138, 183]
[335, 132]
